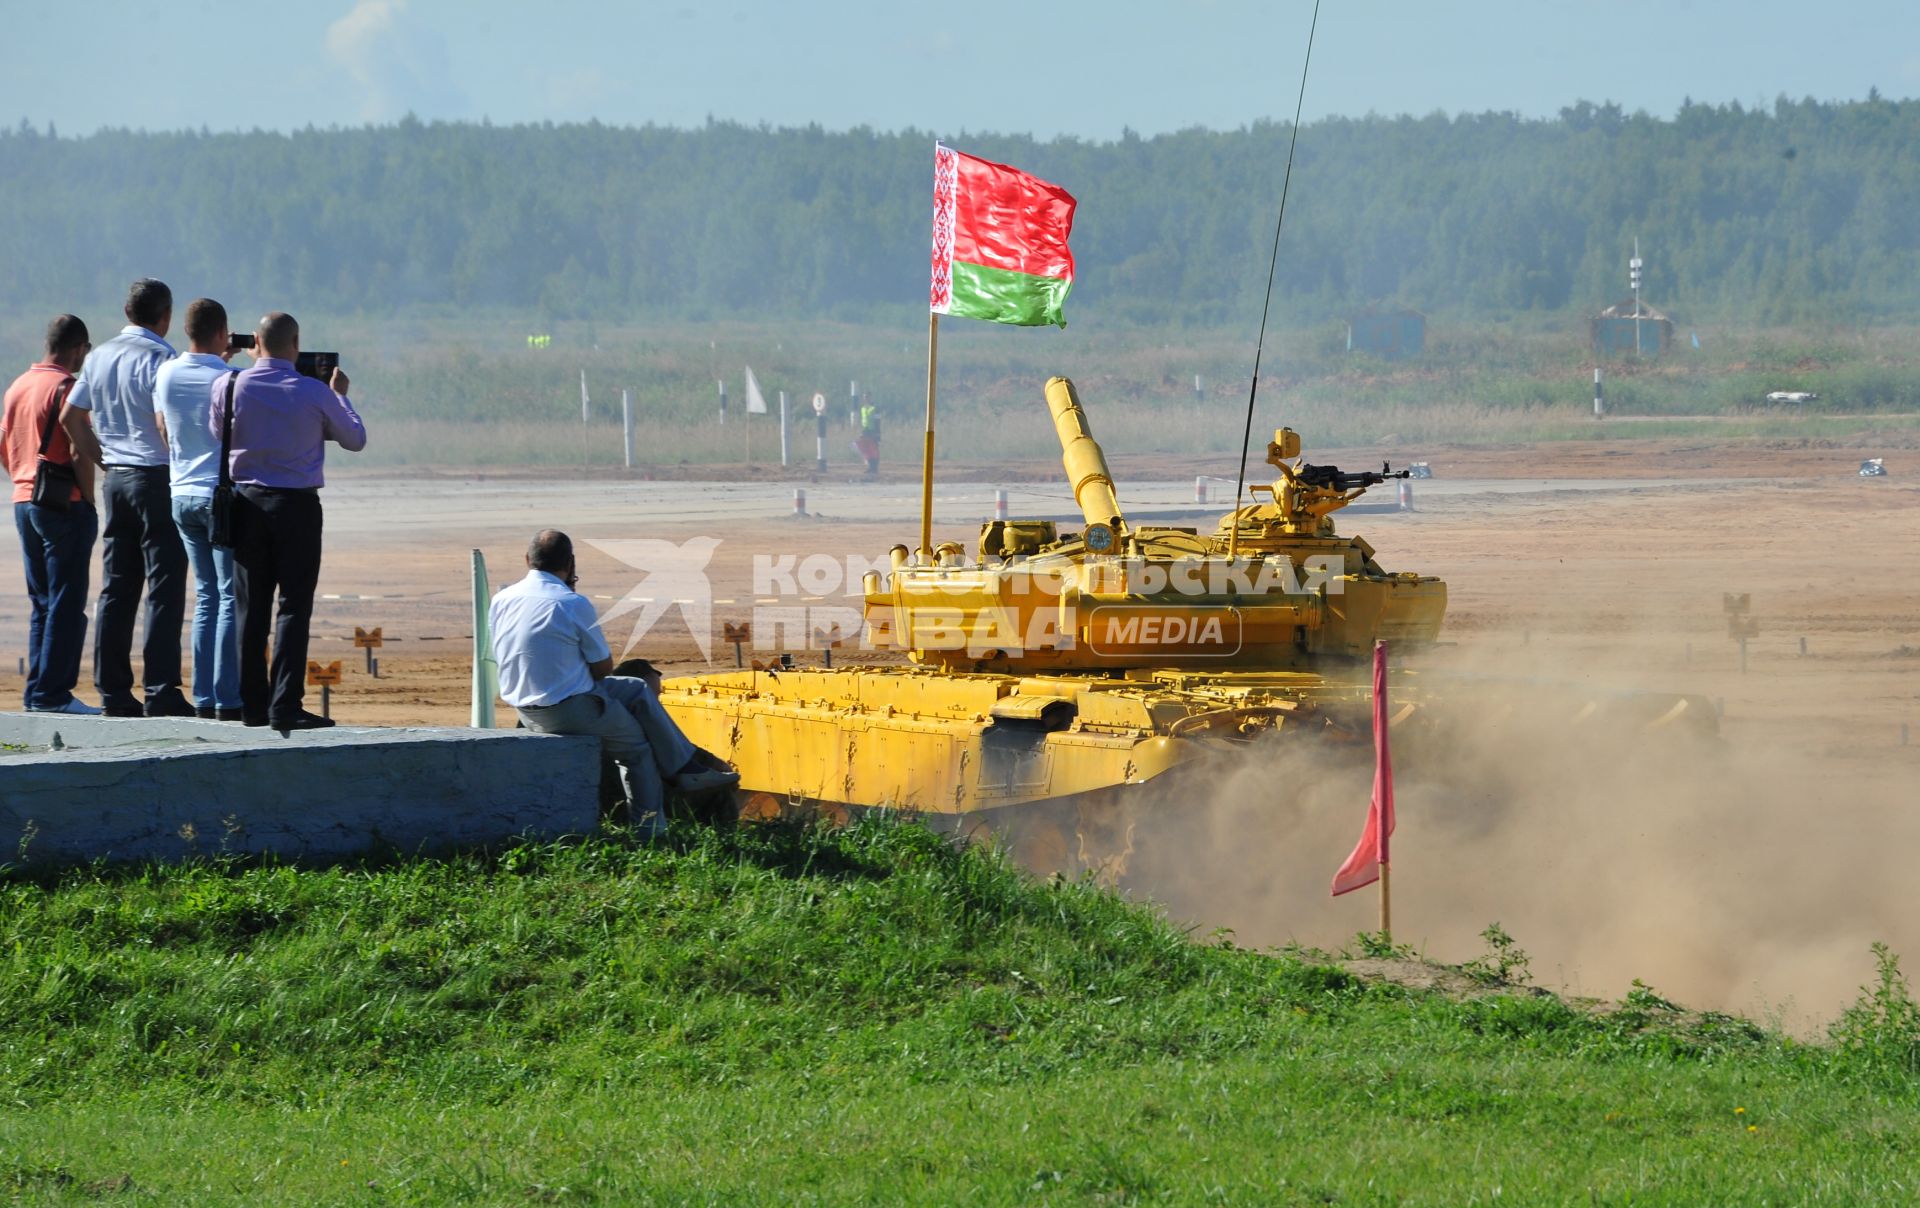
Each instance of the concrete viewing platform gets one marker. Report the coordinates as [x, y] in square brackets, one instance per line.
[125, 789]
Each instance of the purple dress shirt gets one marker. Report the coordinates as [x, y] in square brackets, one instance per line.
[281, 423]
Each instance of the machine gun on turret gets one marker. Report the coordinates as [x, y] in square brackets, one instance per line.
[1305, 495]
[1336, 479]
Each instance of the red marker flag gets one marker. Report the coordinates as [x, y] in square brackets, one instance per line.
[1370, 854]
[999, 242]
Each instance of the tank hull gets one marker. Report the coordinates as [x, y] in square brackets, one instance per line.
[935, 744]
[1071, 772]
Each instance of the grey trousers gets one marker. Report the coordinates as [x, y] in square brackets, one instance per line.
[632, 727]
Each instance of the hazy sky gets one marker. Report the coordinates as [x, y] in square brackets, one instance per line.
[1084, 67]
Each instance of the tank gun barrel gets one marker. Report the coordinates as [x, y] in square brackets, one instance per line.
[1085, 462]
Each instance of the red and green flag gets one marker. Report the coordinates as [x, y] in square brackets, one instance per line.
[1369, 856]
[999, 242]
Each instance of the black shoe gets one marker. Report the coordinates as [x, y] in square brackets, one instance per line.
[121, 706]
[170, 704]
[256, 722]
[204, 712]
[706, 780]
[302, 721]
[230, 715]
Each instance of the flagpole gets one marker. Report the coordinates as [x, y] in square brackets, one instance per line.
[1386, 903]
[1383, 759]
[926, 464]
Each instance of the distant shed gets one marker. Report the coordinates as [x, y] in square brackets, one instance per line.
[1387, 333]
[1620, 331]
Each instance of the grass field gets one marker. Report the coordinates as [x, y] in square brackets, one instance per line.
[470, 392]
[867, 1016]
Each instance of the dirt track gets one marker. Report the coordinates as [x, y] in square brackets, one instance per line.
[1623, 585]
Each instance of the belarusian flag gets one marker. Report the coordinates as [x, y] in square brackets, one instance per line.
[999, 242]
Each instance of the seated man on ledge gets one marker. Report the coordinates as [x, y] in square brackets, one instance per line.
[555, 669]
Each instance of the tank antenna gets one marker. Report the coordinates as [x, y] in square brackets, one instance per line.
[1246, 438]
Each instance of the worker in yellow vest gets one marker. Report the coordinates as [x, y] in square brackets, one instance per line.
[869, 442]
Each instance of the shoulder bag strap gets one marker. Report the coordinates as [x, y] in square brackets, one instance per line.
[53, 416]
[226, 432]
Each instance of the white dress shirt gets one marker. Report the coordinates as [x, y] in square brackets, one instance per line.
[544, 636]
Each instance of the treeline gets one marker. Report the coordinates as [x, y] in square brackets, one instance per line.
[1807, 211]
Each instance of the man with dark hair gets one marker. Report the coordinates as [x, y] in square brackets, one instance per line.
[555, 670]
[281, 425]
[182, 395]
[56, 540]
[140, 544]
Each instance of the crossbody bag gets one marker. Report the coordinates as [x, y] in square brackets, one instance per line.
[54, 483]
[220, 522]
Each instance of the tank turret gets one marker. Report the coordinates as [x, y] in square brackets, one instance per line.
[1274, 587]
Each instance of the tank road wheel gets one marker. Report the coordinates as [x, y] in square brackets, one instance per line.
[1065, 837]
[1032, 838]
[771, 807]
[830, 814]
[760, 807]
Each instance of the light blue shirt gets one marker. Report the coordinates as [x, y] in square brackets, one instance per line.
[116, 384]
[182, 394]
[544, 636]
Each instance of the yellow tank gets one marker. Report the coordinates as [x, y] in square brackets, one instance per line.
[1055, 684]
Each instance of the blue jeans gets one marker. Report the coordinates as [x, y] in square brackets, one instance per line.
[58, 549]
[216, 619]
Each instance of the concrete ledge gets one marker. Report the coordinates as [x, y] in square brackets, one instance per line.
[170, 789]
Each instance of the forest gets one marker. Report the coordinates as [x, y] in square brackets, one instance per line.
[1805, 211]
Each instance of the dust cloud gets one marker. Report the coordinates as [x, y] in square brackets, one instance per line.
[1738, 873]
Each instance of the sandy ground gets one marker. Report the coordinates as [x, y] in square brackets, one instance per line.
[1752, 880]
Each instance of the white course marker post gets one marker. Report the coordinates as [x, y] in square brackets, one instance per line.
[820, 432]
[486, 673]
[626, 426]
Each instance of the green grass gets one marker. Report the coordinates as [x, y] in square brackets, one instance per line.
[774, 1014]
